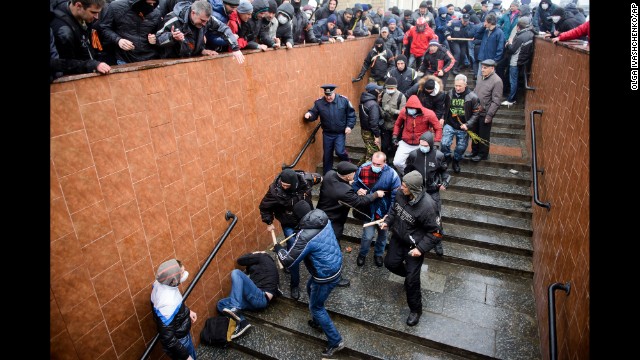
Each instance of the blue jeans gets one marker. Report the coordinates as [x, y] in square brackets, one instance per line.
[294, 270]
[318, 294]
[245, 295]
[329, 143]
[187, 342]
[367, 237]
[513, 81]
[462, 140]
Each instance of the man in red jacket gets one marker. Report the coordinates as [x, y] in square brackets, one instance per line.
[420, 36]
[412, 122]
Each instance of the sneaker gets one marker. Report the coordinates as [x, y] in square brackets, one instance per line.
[295, 292]
[232, 313]
[328, 352]
[379, 261]
[438, 248]
[344, 282]
[241, 328]
[507, 103]
[469, 155]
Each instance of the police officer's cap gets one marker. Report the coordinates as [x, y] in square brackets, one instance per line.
[329, 88]
[497, 2]
[484, 2]
[489, 62]
[465, 16]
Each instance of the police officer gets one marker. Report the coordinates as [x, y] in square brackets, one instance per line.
[337, 118]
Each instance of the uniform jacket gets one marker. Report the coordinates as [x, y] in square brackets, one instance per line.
[317, 246]
[335, 116]
[279, 202]
[414, 127]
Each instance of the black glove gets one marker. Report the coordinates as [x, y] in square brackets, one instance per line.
[394, 140]
[277, 248]
[356, 79]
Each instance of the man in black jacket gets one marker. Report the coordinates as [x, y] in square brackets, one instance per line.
[302, 28]
[379, 60]
[171, 315]
[285, 191]
[335, 191]
[370, 120]
[415, 227]
[251, 291]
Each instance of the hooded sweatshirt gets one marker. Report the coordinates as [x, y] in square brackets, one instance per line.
[412, 127]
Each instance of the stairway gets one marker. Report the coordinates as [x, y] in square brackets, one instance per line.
[478, 298]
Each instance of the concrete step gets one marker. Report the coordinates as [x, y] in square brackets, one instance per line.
[489, 239]
[510, 262]
[266, 340]
[363, 340]
[469, 312]
[470, 169]
[486, 220]
[502, 122]
[492, 204]
[500, 132]
[490, 188]
[206, 352]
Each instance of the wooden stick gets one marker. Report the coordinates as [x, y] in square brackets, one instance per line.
[460, 39]
[373, 223]
[275, 241]
[282, 241]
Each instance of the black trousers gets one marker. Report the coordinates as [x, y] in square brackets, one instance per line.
[338, 229]
[484, 131]
[387, 146]
[400, 263]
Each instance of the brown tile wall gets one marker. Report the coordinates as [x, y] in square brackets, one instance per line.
[561, 236]
[144, 165]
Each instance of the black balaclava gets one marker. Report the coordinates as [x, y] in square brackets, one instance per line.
[379, 45]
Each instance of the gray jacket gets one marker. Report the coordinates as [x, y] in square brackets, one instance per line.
[489, 91]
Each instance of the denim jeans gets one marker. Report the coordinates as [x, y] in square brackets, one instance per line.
[294, 270]
[367, 237]
[187, 342]
[329, 143]
[245, 295]
[318, 294]
[513, 81]
[462, 140]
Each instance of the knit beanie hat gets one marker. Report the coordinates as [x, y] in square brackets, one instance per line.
[245, 7]
[391, 21]
[290, 177]
[301, 208]
[401, 58]
[413, 180]
[169, 273]
[332, 19]
[430, 84]
[391, 82]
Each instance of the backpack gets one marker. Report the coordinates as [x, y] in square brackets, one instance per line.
[217, 331]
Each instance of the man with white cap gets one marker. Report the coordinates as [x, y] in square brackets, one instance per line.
[173, 318]
[337, 118]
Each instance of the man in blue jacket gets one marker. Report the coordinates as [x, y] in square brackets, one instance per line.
[492, 45]
[337, 118]
[317, 246]
[372, 176]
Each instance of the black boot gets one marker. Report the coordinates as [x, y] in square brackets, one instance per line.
[456, 166]
[413, 318]
[447, 159]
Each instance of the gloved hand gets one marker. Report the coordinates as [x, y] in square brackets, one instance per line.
[436, 145]
[394, 140]
[277, 248]
[356, 79]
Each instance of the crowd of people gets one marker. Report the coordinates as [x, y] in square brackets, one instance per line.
[408, 123]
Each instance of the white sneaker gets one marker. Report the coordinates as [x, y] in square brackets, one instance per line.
[507, 103]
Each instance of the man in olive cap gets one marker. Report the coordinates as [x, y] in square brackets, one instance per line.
[337, 118]
[335, 191]
[415, 227]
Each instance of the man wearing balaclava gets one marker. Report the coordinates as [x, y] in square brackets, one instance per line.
[379, 60]
[173, 318]
[285, 191]
[414, 221]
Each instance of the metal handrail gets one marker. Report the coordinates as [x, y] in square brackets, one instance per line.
[534, 164]
[553, 342]
[526, 78]
[310, 140]
[228, 215]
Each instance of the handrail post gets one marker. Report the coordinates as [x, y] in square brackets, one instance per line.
[228, 215]
[553, 342]
[534, 164]
[526, 78]
[310, 140]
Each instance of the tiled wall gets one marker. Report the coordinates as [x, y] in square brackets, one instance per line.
[561, 235]
[144, 165]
